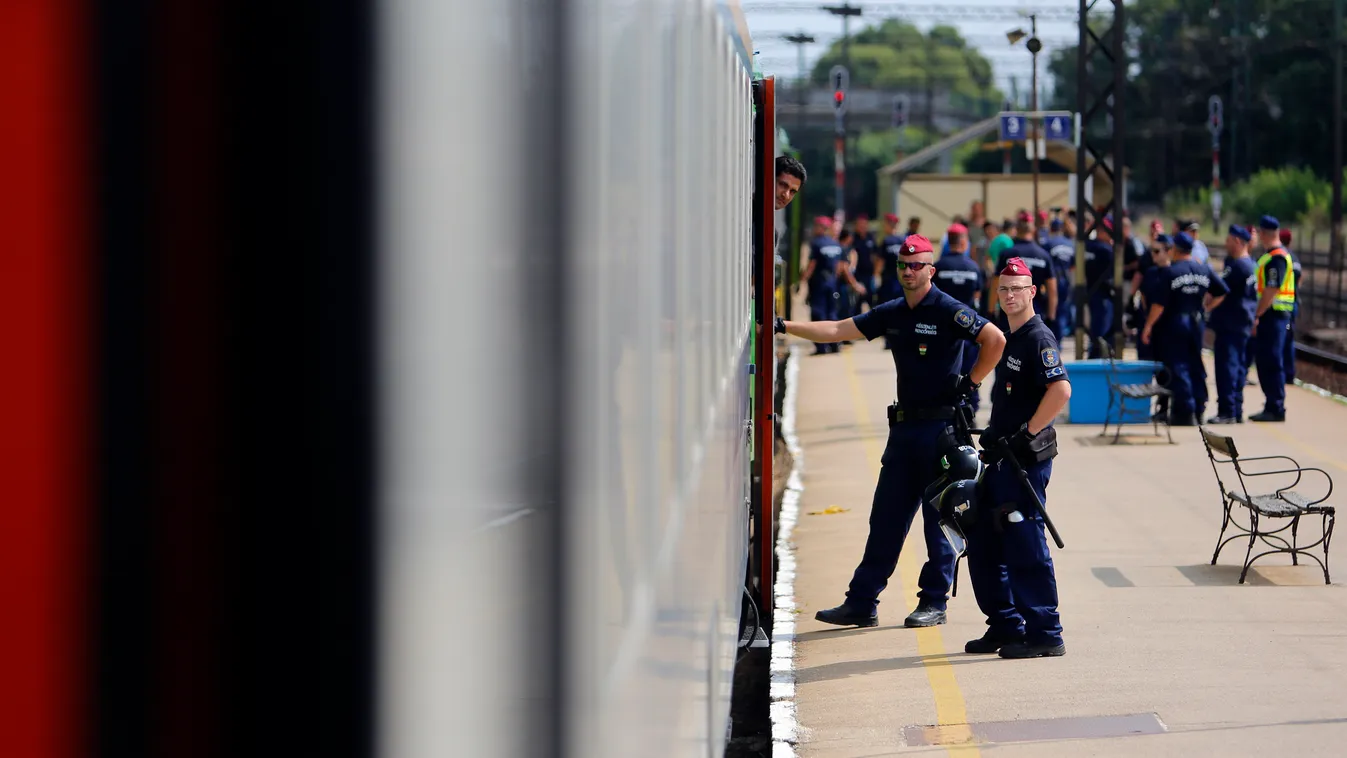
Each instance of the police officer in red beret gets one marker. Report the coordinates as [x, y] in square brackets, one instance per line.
[926, 329]
[1008, 560]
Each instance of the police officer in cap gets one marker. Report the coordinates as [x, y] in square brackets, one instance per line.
[1289, 352]
[1099, 285]
[827, 272]
[1231, 322]
[1040, 266]
[1276, 285]
[927, 329]
[960, 277]
[1186, 290]
[1063, 252]
[1008, 559]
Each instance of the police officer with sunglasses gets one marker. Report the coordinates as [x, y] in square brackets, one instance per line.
[927, 330]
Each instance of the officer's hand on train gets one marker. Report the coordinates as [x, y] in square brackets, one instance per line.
[779, 326]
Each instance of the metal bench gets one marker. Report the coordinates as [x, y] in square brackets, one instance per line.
[1119, 394]
[1284, 503]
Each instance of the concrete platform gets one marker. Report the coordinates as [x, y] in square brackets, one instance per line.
[1152, 630]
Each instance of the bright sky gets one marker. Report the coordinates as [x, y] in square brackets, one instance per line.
[983, 23]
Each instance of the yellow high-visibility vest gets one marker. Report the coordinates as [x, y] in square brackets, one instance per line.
[1285, 299]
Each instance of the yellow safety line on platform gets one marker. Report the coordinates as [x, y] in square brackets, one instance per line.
[950, 710]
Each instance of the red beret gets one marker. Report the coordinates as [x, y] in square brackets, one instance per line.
[1042, 215]
[915, 243]
[1284, 236]
[823, 220]
[1015, 267]
[892, 218]
[958, 229]
[1022, 216]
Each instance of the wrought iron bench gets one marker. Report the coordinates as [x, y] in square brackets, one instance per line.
[1284, 503]
[1119, 394]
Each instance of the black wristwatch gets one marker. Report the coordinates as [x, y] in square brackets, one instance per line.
[779, 326]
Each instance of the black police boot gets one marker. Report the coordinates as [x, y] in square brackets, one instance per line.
[1221, 420]
[1025, 650]
[990, 643]
[1268, 416]
[924, 615]
[844, 615]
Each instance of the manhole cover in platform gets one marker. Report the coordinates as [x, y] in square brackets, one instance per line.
[1035, 730]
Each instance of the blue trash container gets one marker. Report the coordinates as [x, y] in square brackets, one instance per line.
[1089, 390]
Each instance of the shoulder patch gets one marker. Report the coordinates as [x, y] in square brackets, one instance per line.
[1049, 356]
[964, 318]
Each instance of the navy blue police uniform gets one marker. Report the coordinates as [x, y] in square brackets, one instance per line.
[824, 284]
[960, 277]
[1008, 559]
[865, 247]
[1099, 284]
[1152, 281]
[1289, 347]
[1178, 334]
[1040, 267]
[1063, 252]
[1273, 330]
[1231, 323]
[927, 339]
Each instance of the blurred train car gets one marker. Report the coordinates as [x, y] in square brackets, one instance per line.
[380, 376]
[635, 182]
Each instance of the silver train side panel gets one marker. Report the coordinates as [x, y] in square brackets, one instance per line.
[661, 247]
[647, 362]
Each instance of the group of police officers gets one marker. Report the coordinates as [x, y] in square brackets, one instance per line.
[943, 349]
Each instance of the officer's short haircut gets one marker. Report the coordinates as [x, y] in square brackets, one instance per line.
[914, 220]
[1007, 225]
[1023, 227]
[788, 165]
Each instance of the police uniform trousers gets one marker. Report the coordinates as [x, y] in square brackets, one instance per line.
[908, 466]
[1289, 351]
[823, 306]
[1064, 324]
[1009, 563]
[1180, 349]
[1231, 371]
[1270, 353]
[1101, 321]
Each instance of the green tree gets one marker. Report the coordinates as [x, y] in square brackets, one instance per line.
[894, 55]
[1276, 54]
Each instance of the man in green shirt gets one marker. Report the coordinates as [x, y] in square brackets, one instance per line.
[1000, 242]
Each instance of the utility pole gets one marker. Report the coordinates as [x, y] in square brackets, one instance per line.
[840, 79]
[846, 10]
[1335, 240]
[800, 40]
[1214, 119]
[1034, 46]
[793, 259]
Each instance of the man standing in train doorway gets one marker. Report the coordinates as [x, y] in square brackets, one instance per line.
[926, 329]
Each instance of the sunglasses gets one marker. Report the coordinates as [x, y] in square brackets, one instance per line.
[913, 266]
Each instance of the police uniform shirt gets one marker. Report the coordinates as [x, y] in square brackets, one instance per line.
[1098, 266]
[1235, 313]
[1152, 280]
[892, 244]
[927, 343]
[959, 276]
[1063, 254]
[1184, 283]
[1040, 269]
[826, 253]
[1030, 363]
[864, 245]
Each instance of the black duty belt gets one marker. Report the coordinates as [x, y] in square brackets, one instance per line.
[940, 413]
